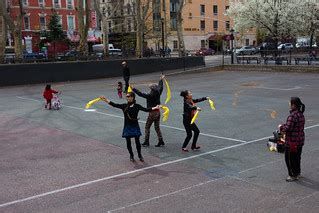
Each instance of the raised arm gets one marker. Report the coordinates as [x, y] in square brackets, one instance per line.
[160, 84]
[139, 93]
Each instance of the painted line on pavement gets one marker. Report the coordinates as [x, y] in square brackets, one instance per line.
[132, 172]
[162, 125]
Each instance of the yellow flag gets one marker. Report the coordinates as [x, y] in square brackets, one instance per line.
[166, 113]
[195, 117]
[89, 104]
[168, 94]
[211, 104]
[129, 89]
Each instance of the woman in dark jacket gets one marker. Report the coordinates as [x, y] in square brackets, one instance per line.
[131, 127]
[294, 138]
[189, 111]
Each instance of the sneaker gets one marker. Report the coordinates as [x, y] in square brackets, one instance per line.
[141, 159]
[291, 179]
[132, 159]
[184, 149]
[145, 144]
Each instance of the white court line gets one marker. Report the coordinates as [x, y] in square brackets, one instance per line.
[162, 125]
[282, 89]
[188, 188]
[132, 172]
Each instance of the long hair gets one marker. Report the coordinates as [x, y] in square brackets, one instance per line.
[299, 105]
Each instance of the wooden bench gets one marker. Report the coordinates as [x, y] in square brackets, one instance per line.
[248, 59]
[308, 59]
[278, 60]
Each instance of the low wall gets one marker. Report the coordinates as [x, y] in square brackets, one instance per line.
[19, 74]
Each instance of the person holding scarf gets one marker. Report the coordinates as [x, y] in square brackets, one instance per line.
[131, 127]
[189, 112]
[294, 138]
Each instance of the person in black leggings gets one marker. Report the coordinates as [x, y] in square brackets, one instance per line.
[189, 111]
[131, 127]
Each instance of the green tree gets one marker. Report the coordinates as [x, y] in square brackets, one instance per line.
[56, 31]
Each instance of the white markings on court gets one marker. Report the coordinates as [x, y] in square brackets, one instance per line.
[134, 171]
[282, 89]
[166, 126]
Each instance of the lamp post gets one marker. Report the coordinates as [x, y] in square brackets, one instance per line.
[232, 45]
[163, 43]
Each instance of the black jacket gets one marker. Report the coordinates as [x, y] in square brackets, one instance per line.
[153, 98]
[126, 72]
[188, 108]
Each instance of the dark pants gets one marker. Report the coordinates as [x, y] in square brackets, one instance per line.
[153, 116]
[138, 146]
[126, 79]
[48, 104]
[293, 160]
[189, 128]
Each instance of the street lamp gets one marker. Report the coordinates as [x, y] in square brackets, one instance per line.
[162, 20]
[232, 45]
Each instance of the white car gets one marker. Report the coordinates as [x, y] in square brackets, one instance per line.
[285, 46]
[246, 50]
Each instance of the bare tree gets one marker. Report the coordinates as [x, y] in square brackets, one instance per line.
[15, 27]
[179, 19]
[2, 31]
[83, 12]
[142, 12]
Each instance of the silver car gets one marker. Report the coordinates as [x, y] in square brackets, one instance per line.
[246, 50]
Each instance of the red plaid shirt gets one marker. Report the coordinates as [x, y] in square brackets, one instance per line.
[294, 129]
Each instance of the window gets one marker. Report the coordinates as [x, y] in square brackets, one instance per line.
[70, 4]
[215, 10]
[202, 9]
[60, 20]
[129, 25]
[71, 24]
[41, 3]
[247, 41]
[25, 2]
[173, 23]
[26, 21]
[175, 44]
[226, 8]
[215, 25]
[202, 43]
[202, 25]
[129, 9]
[56, 3]
[173, 14]
[227, 25]
[42, 23]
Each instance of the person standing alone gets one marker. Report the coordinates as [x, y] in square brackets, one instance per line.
[153, 98]
[295, 138]
[126, 75]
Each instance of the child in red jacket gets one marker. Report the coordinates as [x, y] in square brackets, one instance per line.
[48, 95]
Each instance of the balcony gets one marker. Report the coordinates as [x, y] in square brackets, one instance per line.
[57, 5]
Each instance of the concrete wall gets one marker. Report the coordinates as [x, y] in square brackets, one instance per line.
[19, 74]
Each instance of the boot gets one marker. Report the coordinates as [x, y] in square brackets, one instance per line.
[160, 143]
[145, 144]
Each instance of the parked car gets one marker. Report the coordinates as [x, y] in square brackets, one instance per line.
[112, 52]
[269, 46]
[68, 55]
[246, 50]
[205, 51]
[33, 56]
[285, 46]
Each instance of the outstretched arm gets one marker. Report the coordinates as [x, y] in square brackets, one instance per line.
[200, 99]
[148, 109]
[120, 106]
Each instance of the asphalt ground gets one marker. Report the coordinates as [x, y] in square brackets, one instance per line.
[76, 161]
